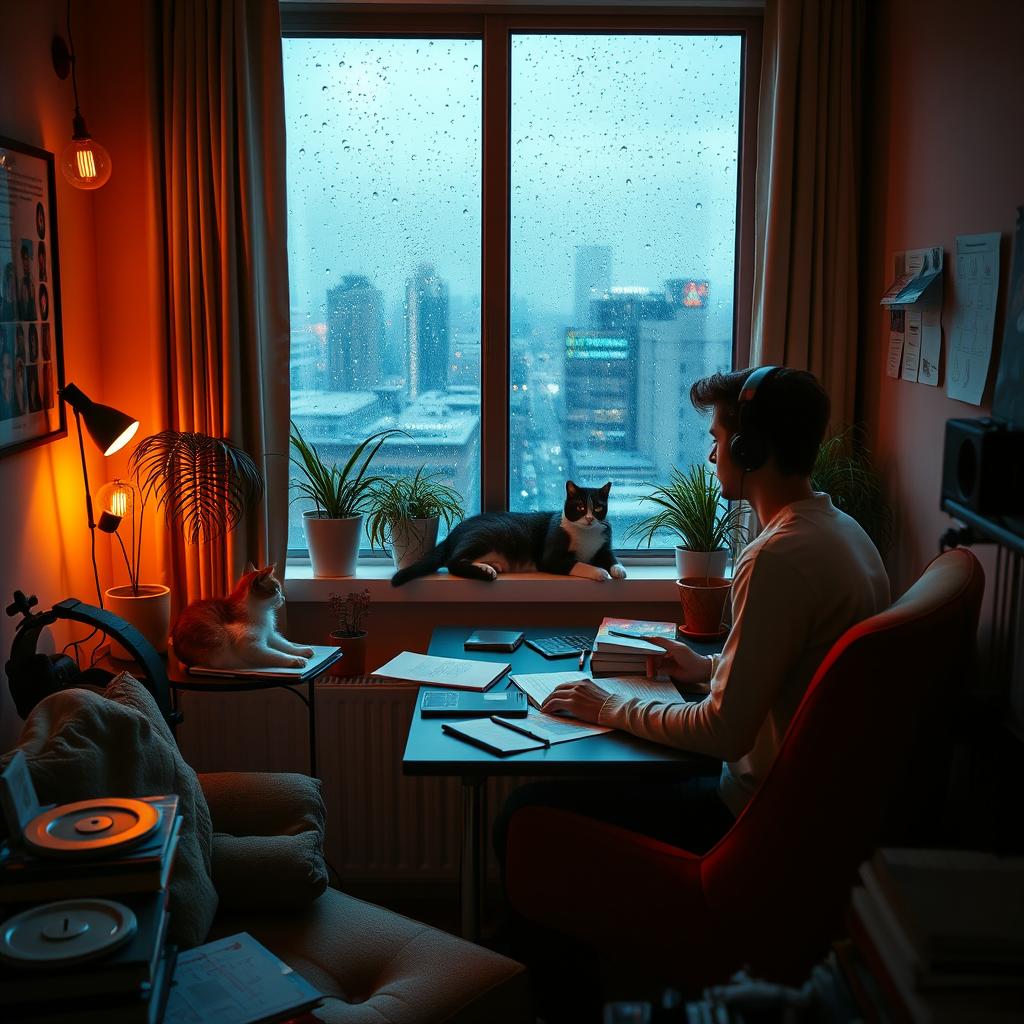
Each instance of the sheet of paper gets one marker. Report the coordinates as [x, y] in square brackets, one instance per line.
[931, 345]
[897, 328]
[492, 735]
[1008, 403]
[538, 686]
[912, 345]
[970, 341]
[458, 673]
[555, 728]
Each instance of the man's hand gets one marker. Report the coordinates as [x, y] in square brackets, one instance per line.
[582, 700]
[679, 662]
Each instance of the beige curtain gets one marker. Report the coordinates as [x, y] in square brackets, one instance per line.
[223, 137]
[806, 235]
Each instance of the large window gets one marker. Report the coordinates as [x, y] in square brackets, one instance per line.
[517, 241]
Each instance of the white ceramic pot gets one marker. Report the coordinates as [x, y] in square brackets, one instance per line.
[149, 611]
[700, 563]
[411, 539]
[333, 543]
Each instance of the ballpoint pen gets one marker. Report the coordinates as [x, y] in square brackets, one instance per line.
[583, 654]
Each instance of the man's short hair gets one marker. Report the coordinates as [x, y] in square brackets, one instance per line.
[792, 413]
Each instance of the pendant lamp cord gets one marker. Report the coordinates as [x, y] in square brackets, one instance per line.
[74, 63]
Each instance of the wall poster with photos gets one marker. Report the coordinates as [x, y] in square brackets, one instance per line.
[31, 344]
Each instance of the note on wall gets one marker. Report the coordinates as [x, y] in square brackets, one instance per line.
[931, 345]
[897, 327]
[970, 340]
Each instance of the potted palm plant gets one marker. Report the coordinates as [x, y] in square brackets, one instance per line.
[340, 496]
[406, 513]
[203, 484]
[843, 470]
[690, 505]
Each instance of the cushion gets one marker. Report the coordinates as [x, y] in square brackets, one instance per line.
[80, 744]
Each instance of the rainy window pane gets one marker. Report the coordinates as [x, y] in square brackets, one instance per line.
[383, 167]
[623, 229]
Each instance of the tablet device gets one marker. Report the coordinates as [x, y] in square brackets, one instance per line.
[493, 640]
[510, 703]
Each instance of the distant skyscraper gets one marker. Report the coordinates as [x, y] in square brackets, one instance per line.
[426, 331]
[593, 279]
[355, 335]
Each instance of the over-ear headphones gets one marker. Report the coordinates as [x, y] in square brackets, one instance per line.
[748, 447]
[33, 676]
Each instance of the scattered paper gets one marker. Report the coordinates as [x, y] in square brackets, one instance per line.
[970, 342]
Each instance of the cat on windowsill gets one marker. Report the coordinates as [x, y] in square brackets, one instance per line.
[574, 542]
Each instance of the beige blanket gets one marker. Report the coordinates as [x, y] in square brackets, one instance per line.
[80, 745]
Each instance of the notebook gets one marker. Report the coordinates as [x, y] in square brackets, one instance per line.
[323, 658]
[454, 673]
[492, 735]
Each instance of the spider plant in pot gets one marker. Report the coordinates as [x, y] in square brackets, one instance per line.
[204, 485]
[691, 506]
[406, 513]
[349, 613]
[340, 495]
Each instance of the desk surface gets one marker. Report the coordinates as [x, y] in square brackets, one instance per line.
[429, 751]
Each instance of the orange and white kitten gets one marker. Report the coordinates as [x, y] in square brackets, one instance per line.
[240, 630]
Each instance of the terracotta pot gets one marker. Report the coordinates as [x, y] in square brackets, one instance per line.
[700, 563]
[703, 602]
[411, 539]
[333, 543]
[149, 611]
[353, 656]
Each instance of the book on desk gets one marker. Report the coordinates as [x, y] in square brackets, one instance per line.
[323, 658]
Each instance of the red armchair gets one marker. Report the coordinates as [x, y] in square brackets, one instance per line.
[771, 893]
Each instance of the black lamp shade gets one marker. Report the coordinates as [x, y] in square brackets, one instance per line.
[109, 428]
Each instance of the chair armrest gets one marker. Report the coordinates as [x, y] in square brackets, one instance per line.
[609, 887]
[263, 803]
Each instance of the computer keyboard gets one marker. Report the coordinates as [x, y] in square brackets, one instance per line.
[565, 645]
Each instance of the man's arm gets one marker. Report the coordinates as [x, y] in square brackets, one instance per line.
[771, 612]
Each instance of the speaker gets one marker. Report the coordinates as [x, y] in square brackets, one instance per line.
[983, 466]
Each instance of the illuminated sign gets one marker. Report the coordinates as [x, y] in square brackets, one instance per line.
[694, 294]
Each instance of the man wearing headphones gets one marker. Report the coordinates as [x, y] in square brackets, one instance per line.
[810, 574]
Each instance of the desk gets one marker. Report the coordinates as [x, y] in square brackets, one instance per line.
[429, 751]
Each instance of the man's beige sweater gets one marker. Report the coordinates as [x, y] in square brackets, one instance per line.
[810, 575]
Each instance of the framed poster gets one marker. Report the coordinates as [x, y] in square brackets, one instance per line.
[31, 342]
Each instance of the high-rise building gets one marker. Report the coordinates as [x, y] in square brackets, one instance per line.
[599, 390]
[426, 331]
[593, 279]
[355, 335]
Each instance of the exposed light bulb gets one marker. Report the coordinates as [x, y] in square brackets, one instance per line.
[84, 162]
[116, 501]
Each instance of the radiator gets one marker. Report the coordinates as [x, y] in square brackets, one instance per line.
[382, 826]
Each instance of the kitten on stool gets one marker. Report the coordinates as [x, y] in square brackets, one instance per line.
[240, 630]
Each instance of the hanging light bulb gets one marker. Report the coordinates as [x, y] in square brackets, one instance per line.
[116, 501]
[84, 162]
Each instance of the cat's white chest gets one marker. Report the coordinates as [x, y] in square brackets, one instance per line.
[583, 543]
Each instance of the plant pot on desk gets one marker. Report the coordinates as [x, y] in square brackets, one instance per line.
[353, 654]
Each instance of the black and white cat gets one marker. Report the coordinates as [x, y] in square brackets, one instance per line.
[575, 542]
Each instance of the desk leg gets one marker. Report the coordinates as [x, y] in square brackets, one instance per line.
[474, 855]
[311, 702]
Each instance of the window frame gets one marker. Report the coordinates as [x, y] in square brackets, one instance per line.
[494, 25]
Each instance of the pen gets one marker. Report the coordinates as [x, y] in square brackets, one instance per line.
[583, 654]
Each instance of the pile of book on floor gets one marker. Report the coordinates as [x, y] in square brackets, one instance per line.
[84, 925]
[619, 650]
[938, 935]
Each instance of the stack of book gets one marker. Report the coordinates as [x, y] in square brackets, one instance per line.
[619, 650]
[938, 935]
[129, 984]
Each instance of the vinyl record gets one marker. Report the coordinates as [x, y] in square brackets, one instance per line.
[91, 828]
[66, 932]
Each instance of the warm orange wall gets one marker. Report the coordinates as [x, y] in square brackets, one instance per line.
[108, 284]
[945, 156]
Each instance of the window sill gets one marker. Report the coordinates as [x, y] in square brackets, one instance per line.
[645, 582]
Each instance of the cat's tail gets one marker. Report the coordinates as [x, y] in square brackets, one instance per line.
[429, 563]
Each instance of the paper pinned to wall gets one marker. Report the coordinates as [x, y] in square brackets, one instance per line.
[897, 327]
[970, 340]
[931, 345]
[912, 345]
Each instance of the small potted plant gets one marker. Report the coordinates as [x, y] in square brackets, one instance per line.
[843, 471]
[205, 485]
[349, 614]
[690, 505]
[406, 513]
[341, 497]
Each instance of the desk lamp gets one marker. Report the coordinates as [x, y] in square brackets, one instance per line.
[111, 430]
